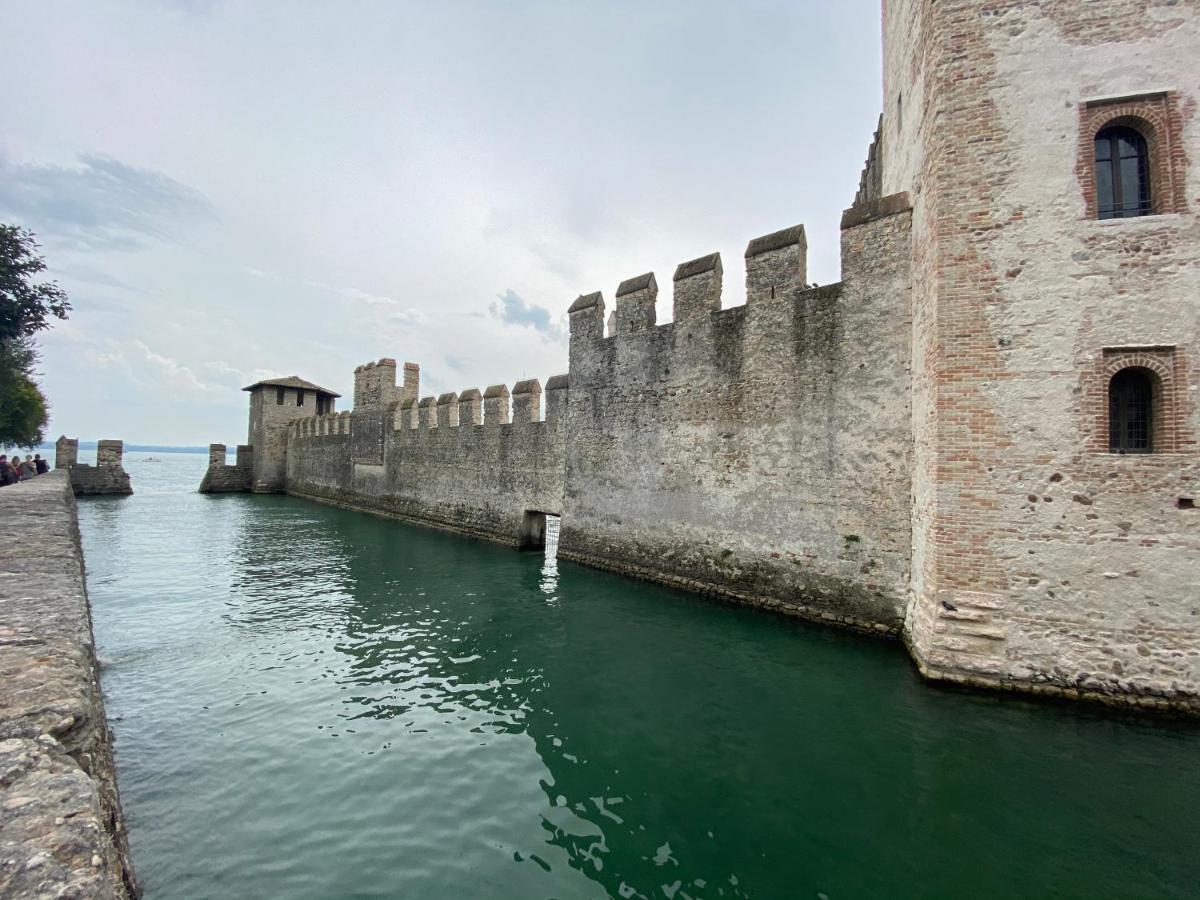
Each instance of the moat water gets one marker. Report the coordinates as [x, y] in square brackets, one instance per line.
[315, 703]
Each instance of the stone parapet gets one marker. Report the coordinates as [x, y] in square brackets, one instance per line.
[108, 476]
[62, 832]
[225, 479]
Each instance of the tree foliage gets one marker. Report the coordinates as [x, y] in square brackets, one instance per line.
[23, 412]
[26, 308]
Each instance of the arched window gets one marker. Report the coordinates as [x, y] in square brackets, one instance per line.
[1131, 411]
[1122, 173]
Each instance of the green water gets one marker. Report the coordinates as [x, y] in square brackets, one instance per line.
[314, 703]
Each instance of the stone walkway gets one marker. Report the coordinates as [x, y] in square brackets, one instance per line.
[61, 829]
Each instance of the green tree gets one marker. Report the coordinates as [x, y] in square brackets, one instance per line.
[26, 307]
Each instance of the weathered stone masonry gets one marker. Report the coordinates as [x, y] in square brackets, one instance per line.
[108, 476]
[62, 833]
[1041, 559]
[759, 452]
[922, 448]
[455, 461]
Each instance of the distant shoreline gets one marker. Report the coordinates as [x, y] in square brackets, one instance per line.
[134, 448]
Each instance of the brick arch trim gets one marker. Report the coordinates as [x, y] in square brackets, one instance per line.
[1167, 418]
[1157, 118]
[1138, 361]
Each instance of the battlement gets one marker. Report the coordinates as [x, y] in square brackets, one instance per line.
[447, 410]
[470, 407]
[494, 407]
[221, 478]
[698, 287]
[783, 319]
[108, 476]
[317, 426]
[375, 383]
[776, 266]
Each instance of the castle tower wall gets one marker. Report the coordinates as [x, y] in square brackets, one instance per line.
[377, 398]
[1040, 557]
[272, 409]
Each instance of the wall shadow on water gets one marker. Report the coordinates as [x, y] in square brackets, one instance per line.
[311, 702]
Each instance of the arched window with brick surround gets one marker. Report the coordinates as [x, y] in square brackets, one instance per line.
[1122, 173]
[1131, 160]
[1131, 410]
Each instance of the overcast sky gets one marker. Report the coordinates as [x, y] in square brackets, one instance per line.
[233, 190]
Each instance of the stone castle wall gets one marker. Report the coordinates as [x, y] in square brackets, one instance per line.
[1040, 556]
[221, 478]
[761, 451]
[455, 462]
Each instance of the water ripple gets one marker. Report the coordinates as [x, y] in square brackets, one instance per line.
[310, 703]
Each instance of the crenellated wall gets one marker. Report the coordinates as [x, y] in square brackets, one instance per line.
[456, 461]
[108, 476]
[759, 452]
[221, 478]
[923, 447]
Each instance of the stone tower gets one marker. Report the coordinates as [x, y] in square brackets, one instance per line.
[275, 403]
[1056, 336]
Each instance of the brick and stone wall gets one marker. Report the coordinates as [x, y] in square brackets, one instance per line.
[920, 447]
[62, 833]
[1040, 558]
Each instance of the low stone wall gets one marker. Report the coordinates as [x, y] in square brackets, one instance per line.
[96, 480]
[108, 476]
[62, 833]
[225, 479]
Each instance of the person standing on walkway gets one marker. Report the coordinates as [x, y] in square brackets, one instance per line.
[40, 464]
[6, 476]
[27, 468]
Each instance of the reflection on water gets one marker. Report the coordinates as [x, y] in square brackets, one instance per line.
[550, 559]
[311, 702]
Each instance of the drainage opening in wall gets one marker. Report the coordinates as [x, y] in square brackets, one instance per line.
[539, 531]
